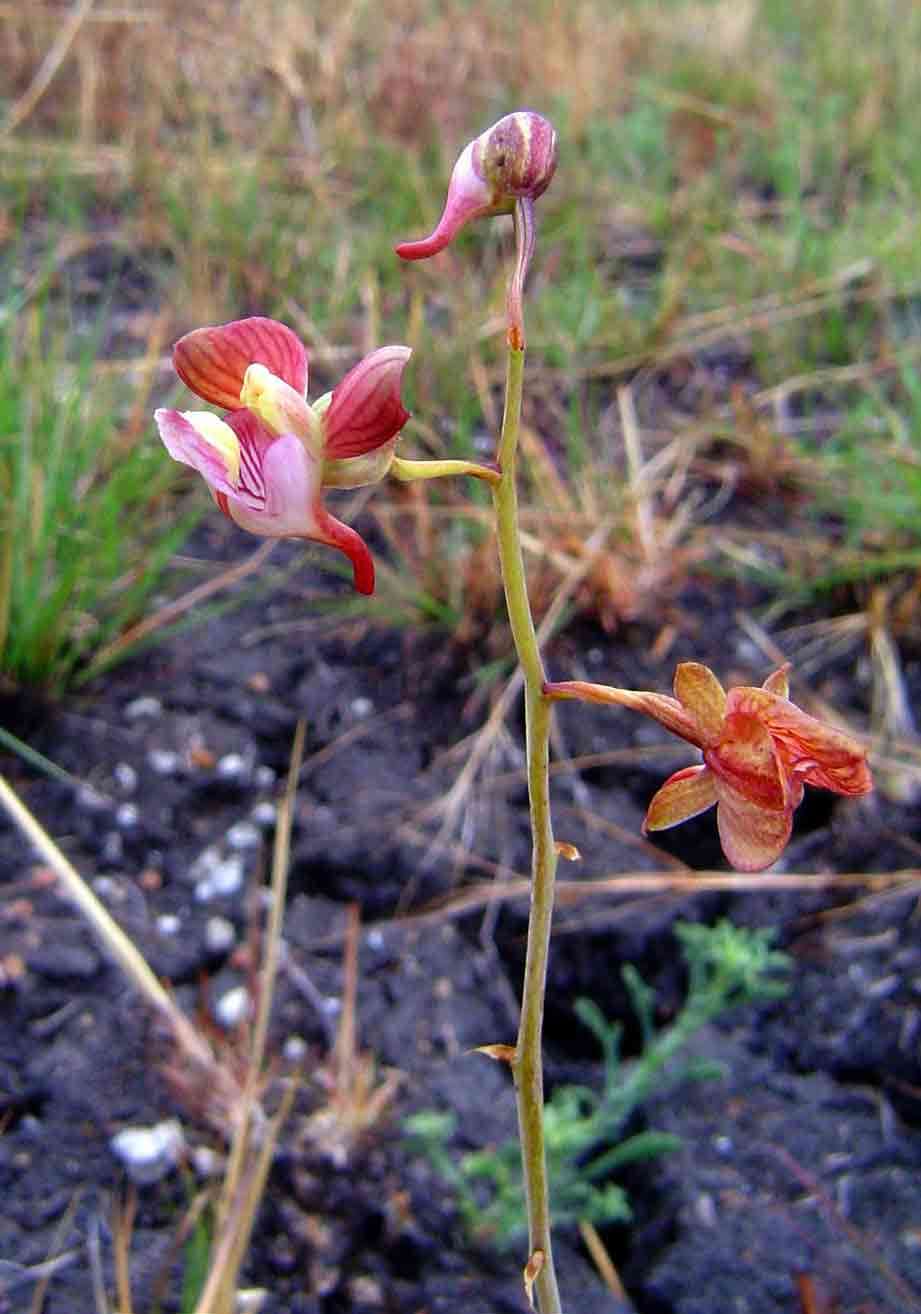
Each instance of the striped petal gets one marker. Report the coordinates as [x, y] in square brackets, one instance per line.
[816, 753]
[684, 795]
[747, 759]
[213, 361]
[698, 690]
[366, 410]
[752, 837]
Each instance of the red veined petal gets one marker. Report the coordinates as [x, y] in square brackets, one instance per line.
[186, 443]
[337, 535]
[752, 837]
[746, 757]
[212, 361]
[817, 753]
[365, 410]
[684, 795]
[698, 690]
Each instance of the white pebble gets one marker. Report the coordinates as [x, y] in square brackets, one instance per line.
[105, 887]
[244, 835]
[295, 1048]
[375, 939]
[361, 707]
[168, 924]
[219, 935]
[149, 1153]
[88, 798]
[143, 707]
[223, 880]
[264, 813]
[233, 1007]
[206, 1162]
[127, 815]
[232, 766]
[126, 777]
[331, 1005]
[163, 761]
[265, 777]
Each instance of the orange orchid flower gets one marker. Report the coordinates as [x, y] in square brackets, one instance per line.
[759, 750]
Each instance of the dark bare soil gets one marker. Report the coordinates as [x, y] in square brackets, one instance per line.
[796, 1188]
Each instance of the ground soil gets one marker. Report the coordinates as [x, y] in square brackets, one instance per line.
[795, 1189]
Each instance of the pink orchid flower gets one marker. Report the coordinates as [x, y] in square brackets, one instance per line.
[759, 750]
[270, 457]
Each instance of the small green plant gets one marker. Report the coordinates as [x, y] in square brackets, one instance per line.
[85, 530]
[728, 966]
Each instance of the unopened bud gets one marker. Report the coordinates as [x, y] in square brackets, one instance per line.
[517, 156]
[513, 160]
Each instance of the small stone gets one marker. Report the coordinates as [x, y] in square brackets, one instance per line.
[375, 939]
[233, 766]
[106, 888]
[220, 935]
[258, 682]
[150, 879]
[168, 924]
[144, 708]
[265, 777]
[244, 835]
[223, 880]
[163, 761]
[206, 1162]
[200, 756]
[148, 1154]
[90, 799]
[127, 815]
[295, 1049]
[264, 813]
[126, 778]
[361, 707]
[232, 1008]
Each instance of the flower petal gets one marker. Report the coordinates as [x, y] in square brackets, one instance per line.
[280, 407]
[684, 795]
[212, 447]
[291, 485]
[365, 410]
[817, 753]
[778, 681]
[469, 197]
[747, 758]
[698, 689]
[752, 837]
[213, 361]
[337, 535]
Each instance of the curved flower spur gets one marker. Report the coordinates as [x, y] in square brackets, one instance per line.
[269, 459]
[759, 751]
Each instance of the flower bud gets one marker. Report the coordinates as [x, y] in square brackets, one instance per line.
[513, 160]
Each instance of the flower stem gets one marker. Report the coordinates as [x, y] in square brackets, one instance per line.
[402, 468]
[527, 1065]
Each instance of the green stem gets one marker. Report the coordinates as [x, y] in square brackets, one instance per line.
[528, 1066]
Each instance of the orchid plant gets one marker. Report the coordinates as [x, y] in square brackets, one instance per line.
[268, 461]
